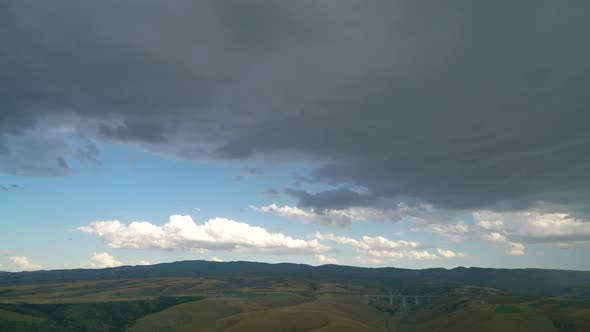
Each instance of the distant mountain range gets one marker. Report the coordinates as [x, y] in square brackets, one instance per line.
[537, 282]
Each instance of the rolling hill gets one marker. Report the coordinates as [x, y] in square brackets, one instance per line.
[247, 296]
[538, 282]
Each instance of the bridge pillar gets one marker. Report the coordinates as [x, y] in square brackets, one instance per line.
[404, 301]
[417, 300]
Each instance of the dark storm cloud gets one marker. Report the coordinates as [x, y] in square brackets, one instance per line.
[250, 170]
[90, 153]
[10, 187]
[458, 104]
[339, 198]
[62, 162]
[271, 193]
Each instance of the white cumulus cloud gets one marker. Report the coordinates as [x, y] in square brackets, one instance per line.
[103, 259]
[455, 232]
[325, 260]
[379, 249]
[535, 225]
[369, 242]
[141, 262]
[512, 248]
[24, 264]
[448, 253]
[512, 230]
[181, 232]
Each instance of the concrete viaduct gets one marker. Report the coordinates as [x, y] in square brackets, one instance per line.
[405, 299]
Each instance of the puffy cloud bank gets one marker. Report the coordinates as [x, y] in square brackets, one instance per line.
[181, 232]
[24, 264]
[378, 249]
[102, 260]
[325, 260]
[512, 230]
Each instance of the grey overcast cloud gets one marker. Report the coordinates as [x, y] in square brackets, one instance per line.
[295, 165]
[427, 110]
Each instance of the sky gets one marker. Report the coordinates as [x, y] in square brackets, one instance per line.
[368, 133]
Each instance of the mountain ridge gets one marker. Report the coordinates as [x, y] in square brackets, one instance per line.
[530, 281]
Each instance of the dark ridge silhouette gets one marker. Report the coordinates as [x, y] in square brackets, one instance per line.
[538, 282]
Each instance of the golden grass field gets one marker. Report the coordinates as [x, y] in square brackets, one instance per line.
[289, 305]
[284, 313]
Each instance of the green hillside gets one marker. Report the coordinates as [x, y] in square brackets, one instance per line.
[286, 297]
[538, 282]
